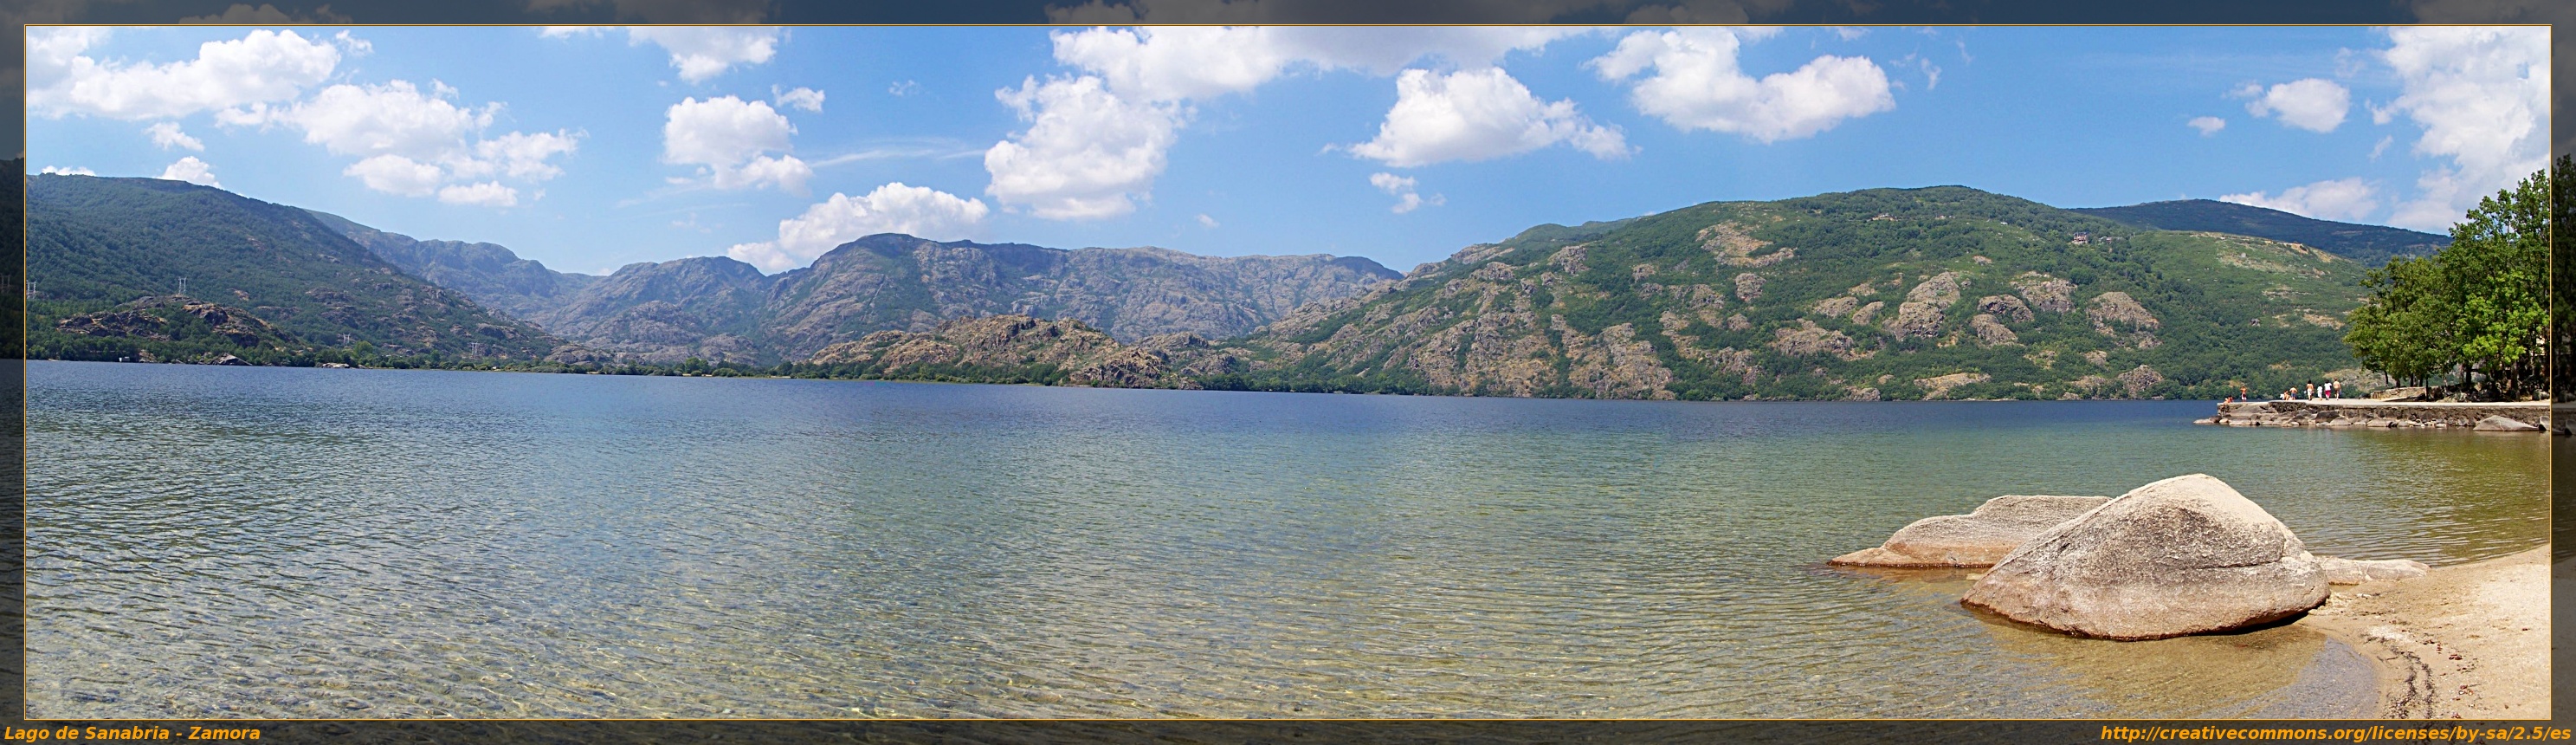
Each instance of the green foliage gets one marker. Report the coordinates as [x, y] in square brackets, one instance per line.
[2562, 278]
[2474, 312]
[2232, 310]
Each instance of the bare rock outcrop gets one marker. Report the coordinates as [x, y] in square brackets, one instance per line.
[2120, 317]
[1991, 332]
[159, 318]
[1915, 320]
[1734, 247]
[1748, 286]
[2138, 379]
[2046, 293]
[1977, 539]
[2005, 308]
[1808, 340]
[1867, 312]
[1940, 385]
[1007, 343]
[2185, 555]
[1941, 290]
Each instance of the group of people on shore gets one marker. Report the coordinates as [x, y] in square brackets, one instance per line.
[2331, 389]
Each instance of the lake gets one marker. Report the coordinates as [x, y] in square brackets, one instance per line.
[278, 542]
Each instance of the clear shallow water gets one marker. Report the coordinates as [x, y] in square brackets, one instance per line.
[258, 542]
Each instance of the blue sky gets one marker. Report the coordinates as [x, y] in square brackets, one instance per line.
[591, 148]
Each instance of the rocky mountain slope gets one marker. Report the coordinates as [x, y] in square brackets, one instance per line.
[2369, 244]
[720, 309]
[1002, 349]
[94, 244]
[1925, 293]
[214, 330]
[1944, 292]
[488, 273]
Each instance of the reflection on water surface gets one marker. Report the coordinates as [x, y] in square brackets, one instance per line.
[231, 542]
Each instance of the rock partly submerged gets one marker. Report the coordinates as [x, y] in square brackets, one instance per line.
[2185, 555]
[2341, 571]
[1977, 539]
[2503, 424]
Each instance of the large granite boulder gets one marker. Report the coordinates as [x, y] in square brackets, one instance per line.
[2185, 555]
[1977, 539]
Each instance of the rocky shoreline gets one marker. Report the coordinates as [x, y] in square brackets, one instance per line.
[2530, 416]
[2469, 641]
[2188, 555]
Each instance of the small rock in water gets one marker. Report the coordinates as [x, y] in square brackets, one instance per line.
[2505, 424]
[1976, 539]
[2341, 571]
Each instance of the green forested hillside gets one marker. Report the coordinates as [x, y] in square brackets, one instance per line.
[97, 243]
[1944, 292]
[2368, 244]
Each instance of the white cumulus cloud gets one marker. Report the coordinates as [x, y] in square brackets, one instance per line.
[524, 154]
[702, 52]
[2482, 96]
[1206, 221]
[393, 118]
[1402, 188]
[918, 211]
[191, 170]
[412, 142]
[2208, 125]
[1097, 138]
[1698, 84]
[395, 174]
[2313, 104]
[1198, 62]
[2340, 199]
[1087, 154]
[72, 171]
[261, 66]
[1475, 115]
[798, 98]
[730, 140]
[485, 194]
[167, 135]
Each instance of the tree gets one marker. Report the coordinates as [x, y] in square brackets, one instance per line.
[2563, 284]
[2406, 326]
[2477, 310]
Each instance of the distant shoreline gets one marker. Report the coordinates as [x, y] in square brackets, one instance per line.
[905, 379]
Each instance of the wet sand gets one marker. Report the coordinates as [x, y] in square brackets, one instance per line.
[2469, 641]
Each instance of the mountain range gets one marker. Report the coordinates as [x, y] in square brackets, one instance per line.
[102, 241]
[1942, 292]
[720, 309]
[95, 244]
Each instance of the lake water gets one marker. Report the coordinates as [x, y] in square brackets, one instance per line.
[260, 542]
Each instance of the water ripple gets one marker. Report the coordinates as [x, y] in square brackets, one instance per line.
[220, 542]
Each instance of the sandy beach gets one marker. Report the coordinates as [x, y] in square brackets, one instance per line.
[2469, 641]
